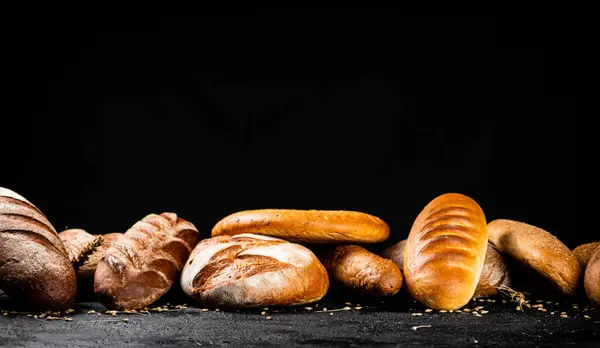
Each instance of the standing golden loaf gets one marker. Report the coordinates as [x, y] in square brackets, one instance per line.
[538, 250]
[143, 263]
[445, 252]
[306, 226]
[249, 270]
[34, 264]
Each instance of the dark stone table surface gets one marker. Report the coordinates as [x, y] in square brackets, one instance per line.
[330, 323]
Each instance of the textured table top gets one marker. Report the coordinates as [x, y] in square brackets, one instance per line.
[347, 322]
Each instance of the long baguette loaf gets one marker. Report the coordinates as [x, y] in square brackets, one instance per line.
[357, 268]
[538, 250]
[248, 270]
[308, 226]
[143, 263]
[445, 252]
[592, 278]
[34, 265]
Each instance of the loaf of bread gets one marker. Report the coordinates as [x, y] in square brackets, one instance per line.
[142, 264]
[539, 250]
[34, 264]
[85, 251]
[445, 252]
[248, 270]
[359, 269]
[396, 253]
[584, 252]
[306, 226]
[494, 275]
[592, 278]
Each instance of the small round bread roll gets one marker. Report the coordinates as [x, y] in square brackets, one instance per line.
[396, 253]
[248, 270]
[445, 252]
[494, 275]
[357, 268]
[539, 250]
[592, 278]
[306, 226]
[584, 252]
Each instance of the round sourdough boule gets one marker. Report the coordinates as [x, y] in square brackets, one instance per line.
[248, 270]
[584, 252]
[34, 264]
[396, 253]
[359, 269]
[539, 250]
[494, 275]
[306, 226]
[592, 278]
[445, 252]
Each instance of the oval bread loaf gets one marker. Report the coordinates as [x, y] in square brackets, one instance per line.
[396, 253]
[357, 268]
[445, 252]
[539, 250]
[308, 226]
[248, 270]
[592, 278]
[34, 264]
[142, 264]
[584, 252]
[494, 275]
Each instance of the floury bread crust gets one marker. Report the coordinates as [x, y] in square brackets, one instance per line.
[538, 250]
[34, 264]
[306, 226]
[445, 252]
[142, 264]
[248, 270]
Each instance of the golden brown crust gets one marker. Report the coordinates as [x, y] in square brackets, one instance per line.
[494, 274]
[396, 253]
[34, 264]
[445, 252]
[142, 264]
[539, 250]
[253, 271]
[309, 226]
[359, 269]
[584, 252]
[592, 278]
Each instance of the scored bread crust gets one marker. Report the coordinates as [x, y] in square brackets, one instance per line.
[34, 264]
[357, 268]
[584, 252]
[494, 275]
[445, 252]
[309, 226]
[248, 270]
[142, 264]
[539, 250]
[592, 278]
[77, 242]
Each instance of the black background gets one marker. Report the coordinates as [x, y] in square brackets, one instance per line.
[367, 110]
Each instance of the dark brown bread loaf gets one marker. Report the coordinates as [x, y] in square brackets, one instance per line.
[539, 250]
[143, 263]
[592, 278]
[248, 270]
[306, 226]
[34, 264]
[359, 269]
[445, 252]
[396, 253]
[584, 252]
[494, 275]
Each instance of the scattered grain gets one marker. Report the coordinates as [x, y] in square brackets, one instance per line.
[125, 320]
[348, 304]
[443, 311]
[466, 310]
[484, 312]
[417, 314]
[428, 310]
[263, 313]
[91, 311]
[564, 316]
[268, 318]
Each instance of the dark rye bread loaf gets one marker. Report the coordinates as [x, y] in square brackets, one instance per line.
[34, 264]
